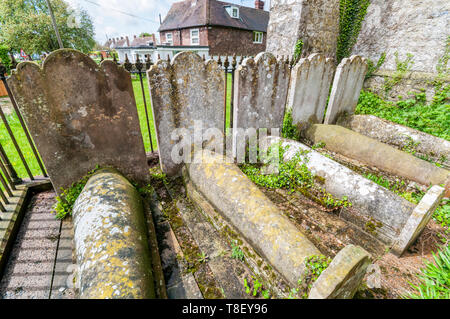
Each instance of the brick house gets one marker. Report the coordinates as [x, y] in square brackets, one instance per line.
[213, 28]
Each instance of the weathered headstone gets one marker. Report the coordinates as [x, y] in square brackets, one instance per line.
[310, 85]
[260, 92]
[80, 115]
[185, 92]
[347, 85]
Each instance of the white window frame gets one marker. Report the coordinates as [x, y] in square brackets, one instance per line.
[197, 37]
[233, 9]
[258, 37]
[171, 38]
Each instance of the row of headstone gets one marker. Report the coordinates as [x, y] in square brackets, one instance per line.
[82, 115]
[188, 90]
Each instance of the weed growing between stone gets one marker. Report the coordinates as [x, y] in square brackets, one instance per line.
[294, 175]
[68, 196]
[297, 51]
[289, 130]
[433, 118]
[236, 251]
[435, 278]
[442, 213]
[372, 67]
[315, 265]
[256, 288]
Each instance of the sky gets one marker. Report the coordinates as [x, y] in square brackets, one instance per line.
[116, 18]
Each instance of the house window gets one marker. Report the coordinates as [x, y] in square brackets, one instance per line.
[195, 37]
[169, 38]
[235, 12]
[258, 37]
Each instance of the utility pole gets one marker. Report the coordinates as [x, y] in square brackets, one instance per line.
[54, 25]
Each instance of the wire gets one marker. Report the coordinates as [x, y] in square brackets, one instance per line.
[120, 11]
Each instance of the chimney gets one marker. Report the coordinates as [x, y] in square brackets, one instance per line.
[259, 4]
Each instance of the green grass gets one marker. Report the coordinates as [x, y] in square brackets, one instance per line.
[434, 278]
[11, 152]
[432, 118]
[141, 112]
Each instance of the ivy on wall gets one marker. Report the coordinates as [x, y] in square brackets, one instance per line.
[351, 16]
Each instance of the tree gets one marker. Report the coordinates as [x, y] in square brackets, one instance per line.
[26, 24]
[145, 34]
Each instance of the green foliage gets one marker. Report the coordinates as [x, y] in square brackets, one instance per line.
[294, 175]
[27, 25]
[402, 67]
[372, 67]
[315, 265]
[396, 187]
[431, 118]
[289, 130]
[351, 16]
[442, 66]
[298, 51]
[68, 196]
[236, 252]
[258, 288]
[202, 258]
[4, 57]
[435, 278]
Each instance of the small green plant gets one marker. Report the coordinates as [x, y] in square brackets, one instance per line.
[246, 286]
[289, 130]
[411, 146]
[318, 145]
[257, 288]
[236, 252]
[435, 278]
[202, 258]
[373, 67]
[298, 51]
[314, 267]
[65, 202]
[402, 67]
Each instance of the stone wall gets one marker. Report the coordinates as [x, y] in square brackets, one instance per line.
[316, 22]
[418, 27]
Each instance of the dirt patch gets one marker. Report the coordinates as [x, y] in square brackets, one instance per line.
[330, 234]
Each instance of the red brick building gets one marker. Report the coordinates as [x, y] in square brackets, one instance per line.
[219, 27]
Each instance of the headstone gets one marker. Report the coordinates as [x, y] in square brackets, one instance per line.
[185, 93]
[347, 85]
[80, 115]
[261, 86]
[310, 85]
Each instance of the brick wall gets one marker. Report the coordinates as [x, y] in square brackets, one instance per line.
[226, 41]
[222, 41]
[185, 36]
